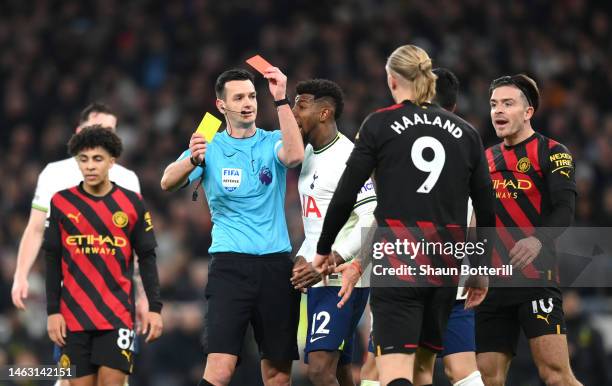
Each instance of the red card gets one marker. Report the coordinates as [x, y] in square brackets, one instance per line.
[259, 63]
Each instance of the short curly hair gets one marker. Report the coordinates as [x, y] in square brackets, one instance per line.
[95, 136]
[323, 88]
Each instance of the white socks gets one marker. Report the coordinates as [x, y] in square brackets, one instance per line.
[473, 379]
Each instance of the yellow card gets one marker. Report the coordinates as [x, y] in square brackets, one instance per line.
[209, 126]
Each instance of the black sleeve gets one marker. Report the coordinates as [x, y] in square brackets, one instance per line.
[559, 169]
[483, 201]
[561, 183]
[52, 244]
[53, 281]
[359, 167]
[150, 279]
[562, 215]
[481, 189]
[52, 240]
[143, 237]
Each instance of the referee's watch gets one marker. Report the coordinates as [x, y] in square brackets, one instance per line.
[280, 102]
[194, 162]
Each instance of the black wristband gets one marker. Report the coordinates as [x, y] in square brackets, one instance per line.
[194, 163]
[280, 102]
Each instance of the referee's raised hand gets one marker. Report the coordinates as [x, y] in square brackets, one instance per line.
[277, 82]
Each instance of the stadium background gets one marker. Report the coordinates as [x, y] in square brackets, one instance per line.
[155, 64]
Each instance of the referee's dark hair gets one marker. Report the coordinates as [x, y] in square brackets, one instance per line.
[229, 75]
[95, 107]
[95, 136]
[323, 88]
[447, 88]
[528, 87]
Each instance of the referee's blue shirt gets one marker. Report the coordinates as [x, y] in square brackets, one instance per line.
[245, 185]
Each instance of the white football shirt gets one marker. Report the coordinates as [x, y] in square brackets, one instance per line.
[321, 172]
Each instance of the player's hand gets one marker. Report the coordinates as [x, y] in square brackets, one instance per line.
[142, 308]
[19, 292]
[476, 288]
[304, 275]
[277, 82]
[197, 146]
[56, 328]
[324, 264]
[351, 272]
[152, 326]
[524, 252]
[338, 259]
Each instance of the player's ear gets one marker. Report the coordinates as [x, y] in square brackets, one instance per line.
[529, 113]
[220, 106]
[112, 161]
[324, 114]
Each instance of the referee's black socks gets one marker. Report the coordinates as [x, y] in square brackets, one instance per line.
[204, 382]
[400, 382]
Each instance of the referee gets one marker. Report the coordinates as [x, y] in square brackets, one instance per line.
[424, 175]
[243, 172]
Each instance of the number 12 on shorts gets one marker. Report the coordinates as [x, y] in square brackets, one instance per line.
[324, 315]
[125, 341]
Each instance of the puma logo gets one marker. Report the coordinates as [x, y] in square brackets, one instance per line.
[543, 318]
[314, 177]
[128, 355]
[566, 174]
[75, 217]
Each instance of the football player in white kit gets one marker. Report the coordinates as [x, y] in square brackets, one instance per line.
[331, 330]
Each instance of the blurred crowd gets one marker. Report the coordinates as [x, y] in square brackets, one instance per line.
[155, 62]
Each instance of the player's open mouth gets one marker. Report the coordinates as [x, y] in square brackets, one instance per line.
[501, 121]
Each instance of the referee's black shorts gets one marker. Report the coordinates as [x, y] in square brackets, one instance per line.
[257, 289]
[406, 318]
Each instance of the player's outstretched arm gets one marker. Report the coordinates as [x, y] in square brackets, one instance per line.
[26, 255]
[291, 154]
[177, 173]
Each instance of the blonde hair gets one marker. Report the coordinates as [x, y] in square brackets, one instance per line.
[413, 64]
